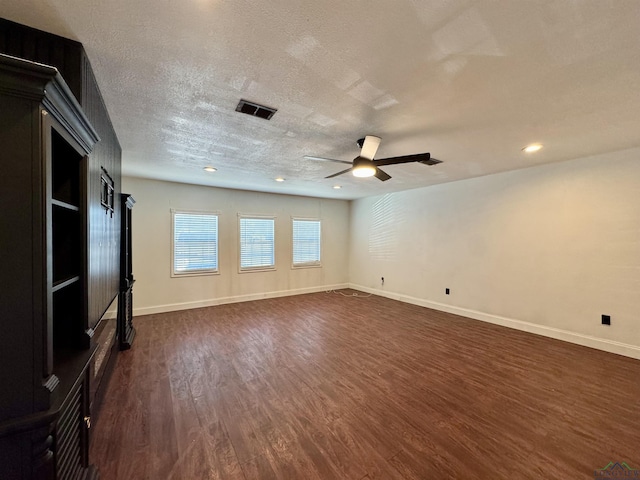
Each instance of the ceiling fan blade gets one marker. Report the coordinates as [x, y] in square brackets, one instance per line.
[380, 175]
[418, 157]
[339, 173]
[370, 147]
[431, 161]
[310, 157]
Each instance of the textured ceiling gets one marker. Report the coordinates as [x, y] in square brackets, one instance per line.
[472, 82]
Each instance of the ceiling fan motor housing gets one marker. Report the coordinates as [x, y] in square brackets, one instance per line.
[361, 162]
[363, 167]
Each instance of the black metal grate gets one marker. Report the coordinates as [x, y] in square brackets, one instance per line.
[255, 110]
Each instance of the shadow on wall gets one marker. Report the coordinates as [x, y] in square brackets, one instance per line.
[386, 219]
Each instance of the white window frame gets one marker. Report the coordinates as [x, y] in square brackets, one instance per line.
[260, 268]
[313, 264]
[193, 273]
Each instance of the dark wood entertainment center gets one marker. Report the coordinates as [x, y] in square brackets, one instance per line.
[61, 245]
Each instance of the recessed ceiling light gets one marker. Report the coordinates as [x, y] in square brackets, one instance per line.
[279, 179]
[534, 147]
[210, 169]
[337, 187]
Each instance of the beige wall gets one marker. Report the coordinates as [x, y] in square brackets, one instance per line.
[155, 290]
[546, 249]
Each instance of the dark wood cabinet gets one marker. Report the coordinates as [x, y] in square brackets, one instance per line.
[47, 348]
[126, 332]
[71, 443]
[61, 252]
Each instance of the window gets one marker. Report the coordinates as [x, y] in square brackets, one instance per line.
[306, 243]
[257, 243]
[195, 243]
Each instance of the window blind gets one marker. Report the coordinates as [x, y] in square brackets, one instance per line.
[257, 243]
[306, 242]
[195, 243]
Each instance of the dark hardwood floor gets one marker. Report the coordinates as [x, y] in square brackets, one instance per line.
[326, 386]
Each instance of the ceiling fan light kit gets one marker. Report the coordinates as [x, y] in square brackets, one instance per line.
[364, 164]
[363, 167]
[532, 148]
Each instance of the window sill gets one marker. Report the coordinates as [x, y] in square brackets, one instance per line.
[306, 265]
[257, 269]
[195, 274]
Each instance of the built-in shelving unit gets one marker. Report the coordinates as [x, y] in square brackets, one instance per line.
[67, 165]
[60, 237]
[48, 348]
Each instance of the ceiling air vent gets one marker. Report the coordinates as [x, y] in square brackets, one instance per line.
[255, 110]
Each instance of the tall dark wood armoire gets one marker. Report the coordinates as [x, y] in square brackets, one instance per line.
[46, 339]
[126, 332]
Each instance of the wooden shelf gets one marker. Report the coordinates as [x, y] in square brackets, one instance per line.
[68, 206]
[68, 363]
[65, 282]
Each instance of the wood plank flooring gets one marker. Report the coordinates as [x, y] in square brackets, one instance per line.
[327, 386]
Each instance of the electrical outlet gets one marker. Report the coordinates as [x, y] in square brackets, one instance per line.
[606, 319]
[446, 291]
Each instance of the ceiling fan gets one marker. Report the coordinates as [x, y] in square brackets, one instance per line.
[365, 166]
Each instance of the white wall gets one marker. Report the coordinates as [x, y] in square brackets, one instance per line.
[155, 290]
[546, 249]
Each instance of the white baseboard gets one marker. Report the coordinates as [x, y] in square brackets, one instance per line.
[610, 346]
[173, 307]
